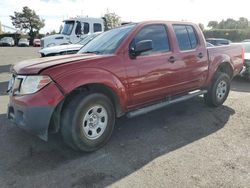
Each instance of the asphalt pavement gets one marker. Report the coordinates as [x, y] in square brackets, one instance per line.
[184, 145]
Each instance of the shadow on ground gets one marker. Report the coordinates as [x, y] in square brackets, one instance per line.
[3, 88]
[5, 68]
[240, 84]
[135, 143]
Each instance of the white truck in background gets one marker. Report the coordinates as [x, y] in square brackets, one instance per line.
[74, 30]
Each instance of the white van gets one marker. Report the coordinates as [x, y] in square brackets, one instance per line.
[73, 31]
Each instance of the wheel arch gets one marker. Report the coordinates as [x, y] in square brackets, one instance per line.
[55, 121]
[226, 68]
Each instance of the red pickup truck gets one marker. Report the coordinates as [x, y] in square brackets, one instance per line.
[130, 70]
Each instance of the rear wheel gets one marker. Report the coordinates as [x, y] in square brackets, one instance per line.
[88, 121]
[219, 90]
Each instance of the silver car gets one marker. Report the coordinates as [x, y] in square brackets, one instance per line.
[7, 41]
[23, 42]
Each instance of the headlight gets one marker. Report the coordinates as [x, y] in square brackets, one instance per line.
[32, 84]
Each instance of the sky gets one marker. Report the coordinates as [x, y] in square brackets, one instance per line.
[197, 11]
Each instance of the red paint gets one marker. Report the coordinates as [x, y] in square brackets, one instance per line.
[136, 82]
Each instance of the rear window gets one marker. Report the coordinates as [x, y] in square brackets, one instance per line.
[186, 37]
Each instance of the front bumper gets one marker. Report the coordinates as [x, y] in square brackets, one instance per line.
[33, 112]
[5, 44]
[32, 119]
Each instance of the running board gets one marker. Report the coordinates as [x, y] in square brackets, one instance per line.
[165, 103]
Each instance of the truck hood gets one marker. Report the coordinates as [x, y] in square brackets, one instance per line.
[55, 36]
[34, 66]
[61, 48]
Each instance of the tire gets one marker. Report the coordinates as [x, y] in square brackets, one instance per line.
[218, 90]
[88, 121]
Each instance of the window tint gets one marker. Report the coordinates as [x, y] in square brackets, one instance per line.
[158, 35]
[85, 28]
[78, 30]
[192, 36]
[186, 37]
[97, 27]
[68, 27]
[107, 42]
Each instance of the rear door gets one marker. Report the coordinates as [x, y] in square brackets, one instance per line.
[190, 57]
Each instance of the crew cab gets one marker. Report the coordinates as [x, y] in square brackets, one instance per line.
[130, 70]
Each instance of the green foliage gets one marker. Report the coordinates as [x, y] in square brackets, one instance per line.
[230, 23]
[235, 35]
[234, 30]
[201, 26]
[112, 20]
[28, 20]
[213, 24]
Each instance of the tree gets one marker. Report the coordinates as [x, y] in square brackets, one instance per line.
[230, 24]
[201, 26]
[28, 20]
[112, 20]
[213, 24]
[243, 23]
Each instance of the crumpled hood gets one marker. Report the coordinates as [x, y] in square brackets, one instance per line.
[58, 49]
[34, 66]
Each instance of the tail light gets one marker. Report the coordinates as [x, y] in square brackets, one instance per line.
[243, 54]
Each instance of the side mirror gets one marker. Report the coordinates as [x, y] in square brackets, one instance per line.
[142, 46]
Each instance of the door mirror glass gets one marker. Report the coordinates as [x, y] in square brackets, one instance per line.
[141, 46]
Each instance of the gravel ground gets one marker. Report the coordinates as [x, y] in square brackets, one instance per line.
[185, 145]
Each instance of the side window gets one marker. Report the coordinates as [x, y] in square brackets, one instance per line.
[85, 27]
[78, 30]
[97, 27]
[192, 36]
[158, 35]
[186, 37]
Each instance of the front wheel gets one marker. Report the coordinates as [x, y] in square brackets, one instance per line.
[219, 90]
[88, 121]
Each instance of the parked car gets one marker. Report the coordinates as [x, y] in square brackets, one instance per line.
[23, 42]
[7, 41]
[130, 70]
[209, 45]
[36, 42]
[218, 41]
[246, 69]
[67, 49]
[246, 40]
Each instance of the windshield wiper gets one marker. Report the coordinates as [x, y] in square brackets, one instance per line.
[92, 52]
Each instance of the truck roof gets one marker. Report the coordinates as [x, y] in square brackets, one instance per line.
[85, 19]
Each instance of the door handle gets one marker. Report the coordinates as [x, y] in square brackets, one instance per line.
[171, 59]
[200, 55]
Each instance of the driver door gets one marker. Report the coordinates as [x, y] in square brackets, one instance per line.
[149, 74]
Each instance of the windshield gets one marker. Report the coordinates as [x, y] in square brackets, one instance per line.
[23, 40]
[107, 42]
[68, 27]
[247, 47]
[6, 39]
[87, 39]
